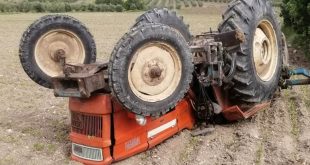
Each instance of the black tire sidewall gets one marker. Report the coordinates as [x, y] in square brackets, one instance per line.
[127, 96]
[246, 86]
[166, 17]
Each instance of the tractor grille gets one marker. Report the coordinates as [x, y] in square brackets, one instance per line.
[88, 153]
[89, 125]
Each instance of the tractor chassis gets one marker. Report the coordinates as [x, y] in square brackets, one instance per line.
[102, 131]
[207, 49]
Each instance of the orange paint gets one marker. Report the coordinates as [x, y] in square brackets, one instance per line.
[128, 138]
[99, 105]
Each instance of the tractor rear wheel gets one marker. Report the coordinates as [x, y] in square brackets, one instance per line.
[150, 69]
[47, 39]
[259, 59]
[166, 17]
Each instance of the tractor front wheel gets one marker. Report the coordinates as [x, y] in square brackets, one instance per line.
[150, 69]
[51, 38]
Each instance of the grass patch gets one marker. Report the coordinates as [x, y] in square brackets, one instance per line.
[9, 139]
[7, 160]
[259, 154]
[32, 131]
[51, 148]
[306, 96]
[292, 109]
[61, 130]
[38, 147]
[191, 146]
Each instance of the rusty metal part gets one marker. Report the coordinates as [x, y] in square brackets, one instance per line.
[211, 52]
[234, 113]
[155, 68]
[155, 72]
[59, 55]
[208, 59]
[231, 38]
[81, 80]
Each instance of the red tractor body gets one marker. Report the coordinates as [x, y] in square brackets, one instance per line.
[103, 132]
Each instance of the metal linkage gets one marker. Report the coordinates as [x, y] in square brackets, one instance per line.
[293, 82]
[208, 59]
[209, 51]
[81, 80]
[300, 71]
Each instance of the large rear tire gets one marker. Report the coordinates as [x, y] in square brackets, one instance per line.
[166, 17]
[150, 69]
[48, 36]
[259, 59]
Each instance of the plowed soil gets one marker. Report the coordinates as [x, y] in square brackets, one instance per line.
[34, 125]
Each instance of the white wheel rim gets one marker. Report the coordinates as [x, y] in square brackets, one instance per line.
[154, 71]
[53, 41]
[265, 51]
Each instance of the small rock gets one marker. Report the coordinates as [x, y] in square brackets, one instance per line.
[9, 130]
[238, 133]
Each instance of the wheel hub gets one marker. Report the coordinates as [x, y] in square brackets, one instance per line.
[262, 48]
[56, 45]
[155, 71]
[58, 55]
[265, 51]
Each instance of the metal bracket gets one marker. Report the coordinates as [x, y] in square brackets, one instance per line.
[209, 51]
[231, 38]
[293, 82]
[81, 80]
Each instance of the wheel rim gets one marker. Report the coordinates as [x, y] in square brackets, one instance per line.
[54, 44]
[265, 52]
[154, 71]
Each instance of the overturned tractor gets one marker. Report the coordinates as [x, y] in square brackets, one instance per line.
[160, 79]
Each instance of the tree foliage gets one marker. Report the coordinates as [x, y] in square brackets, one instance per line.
[296, 14]
[134, 5]
[113, 2]
[59, 6]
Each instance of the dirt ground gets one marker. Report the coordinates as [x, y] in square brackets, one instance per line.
[34, 125]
